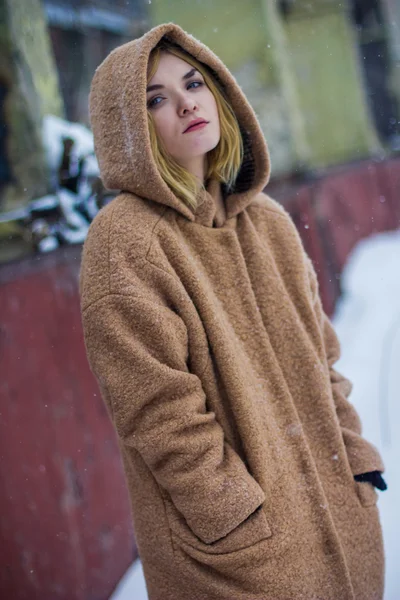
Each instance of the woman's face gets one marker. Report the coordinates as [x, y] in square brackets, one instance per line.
[176, 96]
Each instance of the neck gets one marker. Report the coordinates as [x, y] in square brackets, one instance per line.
[197, 166]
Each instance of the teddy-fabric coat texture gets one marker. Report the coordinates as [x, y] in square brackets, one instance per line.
[205, 331]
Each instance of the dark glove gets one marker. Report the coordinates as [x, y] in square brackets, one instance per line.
[374, 477]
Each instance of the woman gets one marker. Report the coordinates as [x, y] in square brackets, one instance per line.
[204, 328]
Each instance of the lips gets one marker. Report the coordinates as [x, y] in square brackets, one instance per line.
[194, 123]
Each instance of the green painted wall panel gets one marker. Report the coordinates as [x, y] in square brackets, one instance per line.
[330, 89]
[234, 30]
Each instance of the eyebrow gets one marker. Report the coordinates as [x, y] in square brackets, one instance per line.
[188, 75]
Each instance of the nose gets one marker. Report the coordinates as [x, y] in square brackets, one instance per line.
[186, 106]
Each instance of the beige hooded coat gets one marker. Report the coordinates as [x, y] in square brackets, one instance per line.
[206, 334]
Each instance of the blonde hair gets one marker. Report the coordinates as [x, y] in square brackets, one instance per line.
[224, 160]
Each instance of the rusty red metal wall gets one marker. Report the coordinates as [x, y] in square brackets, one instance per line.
[65, 523]
[334, 212]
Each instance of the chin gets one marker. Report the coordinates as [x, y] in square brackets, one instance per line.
[205, 145]
[214, 143]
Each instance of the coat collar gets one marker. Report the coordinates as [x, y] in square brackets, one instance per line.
[211, 210]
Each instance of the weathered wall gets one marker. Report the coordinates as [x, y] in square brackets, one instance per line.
[29, 34]
[30, 81]
[329, 84]
[65, 521]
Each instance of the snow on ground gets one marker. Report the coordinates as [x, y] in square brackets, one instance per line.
[132, 585]
[367, 321]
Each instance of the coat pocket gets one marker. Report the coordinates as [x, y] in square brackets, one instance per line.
[250, 532]
[366, 493]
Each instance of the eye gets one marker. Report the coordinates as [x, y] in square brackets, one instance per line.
[153, 102]
[195, 83]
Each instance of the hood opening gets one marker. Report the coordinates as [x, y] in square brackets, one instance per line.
[118, 116]
[245, 176]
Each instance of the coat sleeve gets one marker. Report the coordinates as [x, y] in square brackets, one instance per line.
[362, 455]
[138, 349]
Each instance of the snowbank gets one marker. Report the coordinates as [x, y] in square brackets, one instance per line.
[55, 129]
[367, 321]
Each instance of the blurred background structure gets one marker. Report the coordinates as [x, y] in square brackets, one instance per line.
[324, 79]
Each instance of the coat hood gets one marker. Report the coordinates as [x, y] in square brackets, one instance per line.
[118, 114]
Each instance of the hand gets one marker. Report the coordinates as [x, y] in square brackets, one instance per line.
[374, 477]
